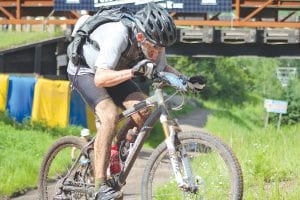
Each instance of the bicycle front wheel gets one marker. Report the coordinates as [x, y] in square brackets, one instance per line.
[65, 173]
[215, 169]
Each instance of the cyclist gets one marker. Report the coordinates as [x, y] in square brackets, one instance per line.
[104, 79]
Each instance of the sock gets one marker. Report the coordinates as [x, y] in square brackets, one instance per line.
[99, 182]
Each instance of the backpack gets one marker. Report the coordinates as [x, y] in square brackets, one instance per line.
[104, 15]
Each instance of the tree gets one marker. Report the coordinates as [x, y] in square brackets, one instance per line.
[228, 80]
[293, 98]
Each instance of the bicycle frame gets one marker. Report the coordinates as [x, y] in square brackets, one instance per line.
[170, 129]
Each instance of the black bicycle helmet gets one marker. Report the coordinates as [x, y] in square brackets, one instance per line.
[156, 24]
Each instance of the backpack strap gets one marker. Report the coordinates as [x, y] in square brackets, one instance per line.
[104, 15]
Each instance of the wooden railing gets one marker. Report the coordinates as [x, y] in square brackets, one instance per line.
[246, 13]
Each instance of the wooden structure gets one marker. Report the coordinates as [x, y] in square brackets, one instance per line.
[246, 13]
[24, 11]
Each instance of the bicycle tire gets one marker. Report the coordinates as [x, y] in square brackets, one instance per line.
[197, 137]
[55, 149]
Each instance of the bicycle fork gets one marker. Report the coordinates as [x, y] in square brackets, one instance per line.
[186, 183]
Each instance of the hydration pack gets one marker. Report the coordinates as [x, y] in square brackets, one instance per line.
[103, 15]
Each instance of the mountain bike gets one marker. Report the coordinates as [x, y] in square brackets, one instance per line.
[186, 165]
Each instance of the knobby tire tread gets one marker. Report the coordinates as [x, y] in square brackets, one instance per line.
[222, 148]
[50, 155]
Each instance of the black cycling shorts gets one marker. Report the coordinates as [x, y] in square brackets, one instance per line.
[92, 95]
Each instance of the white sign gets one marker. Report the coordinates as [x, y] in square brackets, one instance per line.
[276, 106]
[99, 3]
[72, 1]
[209, 2]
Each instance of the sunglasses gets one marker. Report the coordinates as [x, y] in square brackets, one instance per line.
[147, 44]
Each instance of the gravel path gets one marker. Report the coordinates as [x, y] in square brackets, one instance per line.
[193, 121]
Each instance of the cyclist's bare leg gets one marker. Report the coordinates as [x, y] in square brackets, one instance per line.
[106, 112]
[139, 117]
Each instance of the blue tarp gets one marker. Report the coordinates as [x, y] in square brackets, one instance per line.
[77, 110]
[20, 97]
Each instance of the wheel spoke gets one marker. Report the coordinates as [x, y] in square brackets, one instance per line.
[215, 176]
[62, 178]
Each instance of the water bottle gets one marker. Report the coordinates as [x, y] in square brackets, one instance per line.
[114, 165]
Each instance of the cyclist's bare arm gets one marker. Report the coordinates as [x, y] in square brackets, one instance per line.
[110, 78]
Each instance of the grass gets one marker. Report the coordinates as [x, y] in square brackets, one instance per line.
[11, 39]
[21, 152]
[22, 147]
[269, 157]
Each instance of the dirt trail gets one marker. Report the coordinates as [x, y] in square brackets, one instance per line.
[193, 121]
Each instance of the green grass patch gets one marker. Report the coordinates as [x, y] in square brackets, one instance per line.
[11, 39]
[269, 157]
[22, 148]
[21, 153]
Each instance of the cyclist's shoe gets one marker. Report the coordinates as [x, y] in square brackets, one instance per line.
[108, 193]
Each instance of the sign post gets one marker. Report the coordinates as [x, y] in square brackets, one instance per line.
[275, 106]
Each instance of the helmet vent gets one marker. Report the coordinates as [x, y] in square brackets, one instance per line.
[165, 37]
[159, 25]
[169, 27]
[153, 15]
[151, 25]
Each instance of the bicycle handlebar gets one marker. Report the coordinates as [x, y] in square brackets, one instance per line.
[162, 79]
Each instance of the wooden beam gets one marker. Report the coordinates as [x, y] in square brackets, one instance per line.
[18, 10]
[235, 23]
[8, 4]
[24, 21]
[217, 23]
[288, 16]
[282, 4]
[26, 3]
[38, 4]
[5, 12]
[237, 9]
[257, 10]
[75, 14]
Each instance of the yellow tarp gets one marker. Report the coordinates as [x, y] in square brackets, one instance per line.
[3, 91]
[51, 102]
[90, 117]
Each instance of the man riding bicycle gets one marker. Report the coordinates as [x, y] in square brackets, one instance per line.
[104, 79]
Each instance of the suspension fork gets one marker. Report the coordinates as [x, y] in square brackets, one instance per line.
[172, 141]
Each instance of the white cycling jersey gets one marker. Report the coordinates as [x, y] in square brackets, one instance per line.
[112, 38]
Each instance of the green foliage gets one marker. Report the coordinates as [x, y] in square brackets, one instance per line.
[263, 73]
[155, 138]
[293, 98]
[228, 80]
[237, 80]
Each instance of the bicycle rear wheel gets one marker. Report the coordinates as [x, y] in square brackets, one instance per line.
[216, 171]
[65, 173]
